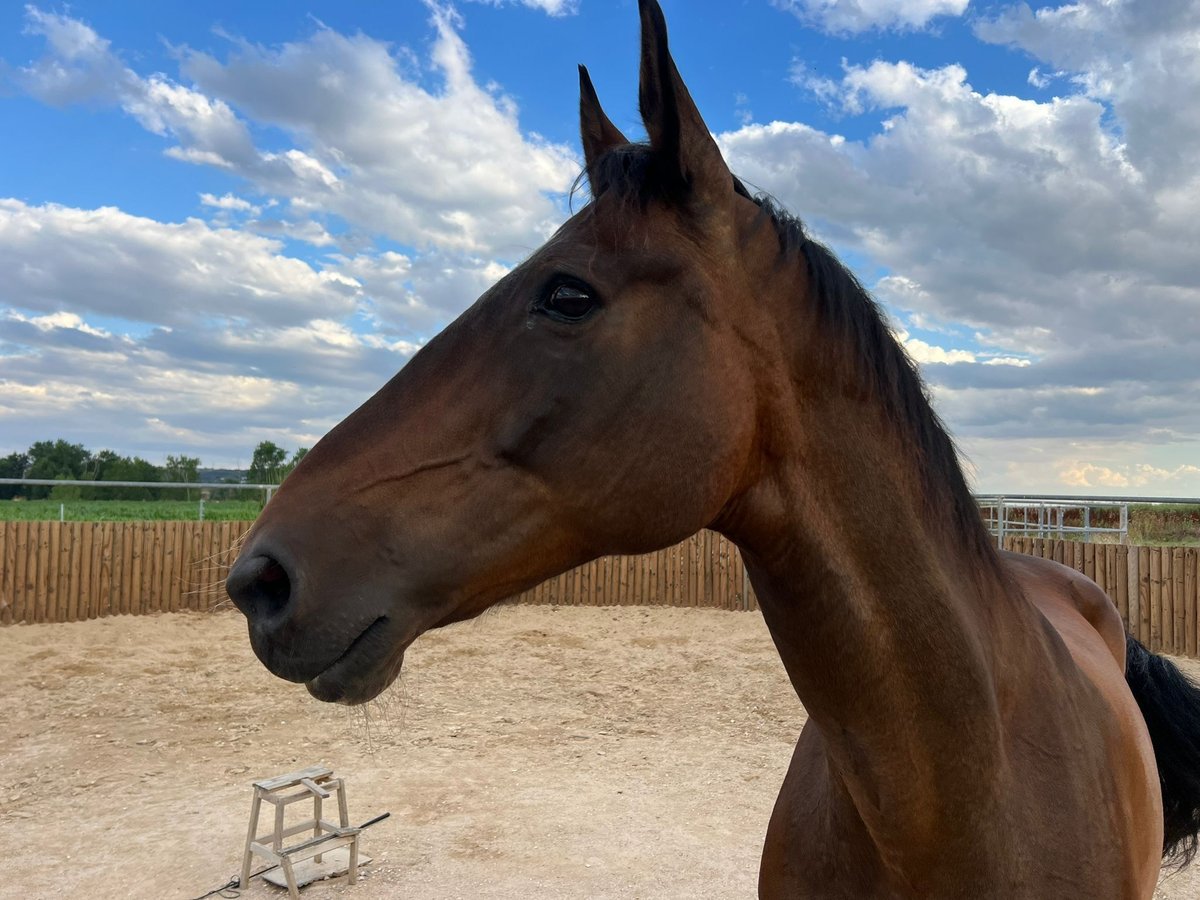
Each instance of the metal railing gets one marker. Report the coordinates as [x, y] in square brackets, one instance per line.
[267, 489]
[196, 485]
[1048, 515]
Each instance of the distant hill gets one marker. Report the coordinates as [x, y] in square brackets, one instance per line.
[221, 476]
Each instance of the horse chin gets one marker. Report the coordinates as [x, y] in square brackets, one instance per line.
[353, 688]
[329, 689]
[369, 665]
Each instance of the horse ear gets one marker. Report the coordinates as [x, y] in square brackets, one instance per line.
[596, 130]
[678, 135]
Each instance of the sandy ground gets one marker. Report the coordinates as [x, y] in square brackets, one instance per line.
[540, 752]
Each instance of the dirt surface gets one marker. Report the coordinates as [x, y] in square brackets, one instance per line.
[540, 752]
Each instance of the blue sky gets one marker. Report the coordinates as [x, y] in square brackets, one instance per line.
[756, 44]
[230, 222]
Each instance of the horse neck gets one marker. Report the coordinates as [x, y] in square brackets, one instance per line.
[888, 621]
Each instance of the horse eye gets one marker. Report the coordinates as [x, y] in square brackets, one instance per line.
[568, 303]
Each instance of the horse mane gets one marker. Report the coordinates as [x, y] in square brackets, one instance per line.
[847, 311]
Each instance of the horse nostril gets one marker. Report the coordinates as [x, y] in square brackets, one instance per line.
[259, 587]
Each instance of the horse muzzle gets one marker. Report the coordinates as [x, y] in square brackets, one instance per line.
[344, 652]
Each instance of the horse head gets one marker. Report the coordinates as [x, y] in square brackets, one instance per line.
[600, 398]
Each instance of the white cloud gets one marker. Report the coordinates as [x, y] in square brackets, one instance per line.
[1139, 57]
[229, 203]
[822, 87]
[208, 130]
[923, 352]
[59, 320]
[448, 168]
[550, 7]
[1030, 222]
[1088, 475]
[215, 387]
[1035, 464]
[995, 206]
[1077, 473]
[1147, 474]
[217, 334]
[422, 293]
[741, 104]
[852, 16]
[64, 263]
[1040, 79]
[308, 230]
[107, 262]
[80, 66]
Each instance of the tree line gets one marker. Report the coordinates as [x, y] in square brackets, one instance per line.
[62, 460]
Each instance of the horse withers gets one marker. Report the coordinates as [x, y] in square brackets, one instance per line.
[681, 355]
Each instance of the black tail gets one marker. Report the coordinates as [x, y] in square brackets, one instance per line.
[1170, 704]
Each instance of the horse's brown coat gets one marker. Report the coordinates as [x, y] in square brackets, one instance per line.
[971, 733]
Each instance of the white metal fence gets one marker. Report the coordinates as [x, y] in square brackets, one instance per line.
[1049, 516]
[202, 488]
[1058, 517]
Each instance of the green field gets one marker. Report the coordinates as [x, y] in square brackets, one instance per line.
[127, 510]
[1176, 525]
[1165, 525]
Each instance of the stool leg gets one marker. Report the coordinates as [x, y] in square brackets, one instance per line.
[290, 875]
[277, 838]
[354, 860]
[343, 815]
[251, 834]
[317, 824]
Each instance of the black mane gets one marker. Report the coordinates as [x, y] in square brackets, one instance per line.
[849, 313]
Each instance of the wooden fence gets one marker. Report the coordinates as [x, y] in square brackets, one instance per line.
[68, 571]
[65, 572]
[705, 570]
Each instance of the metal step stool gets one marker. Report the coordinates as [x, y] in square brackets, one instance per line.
[315, 783]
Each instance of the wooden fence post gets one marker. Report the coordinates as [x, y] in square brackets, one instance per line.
[1190, 579]
[1179, 601]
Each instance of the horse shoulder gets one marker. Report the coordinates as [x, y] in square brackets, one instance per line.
[1065, 597]
[1092, 630]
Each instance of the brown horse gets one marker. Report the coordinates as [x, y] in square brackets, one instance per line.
[679, 356]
